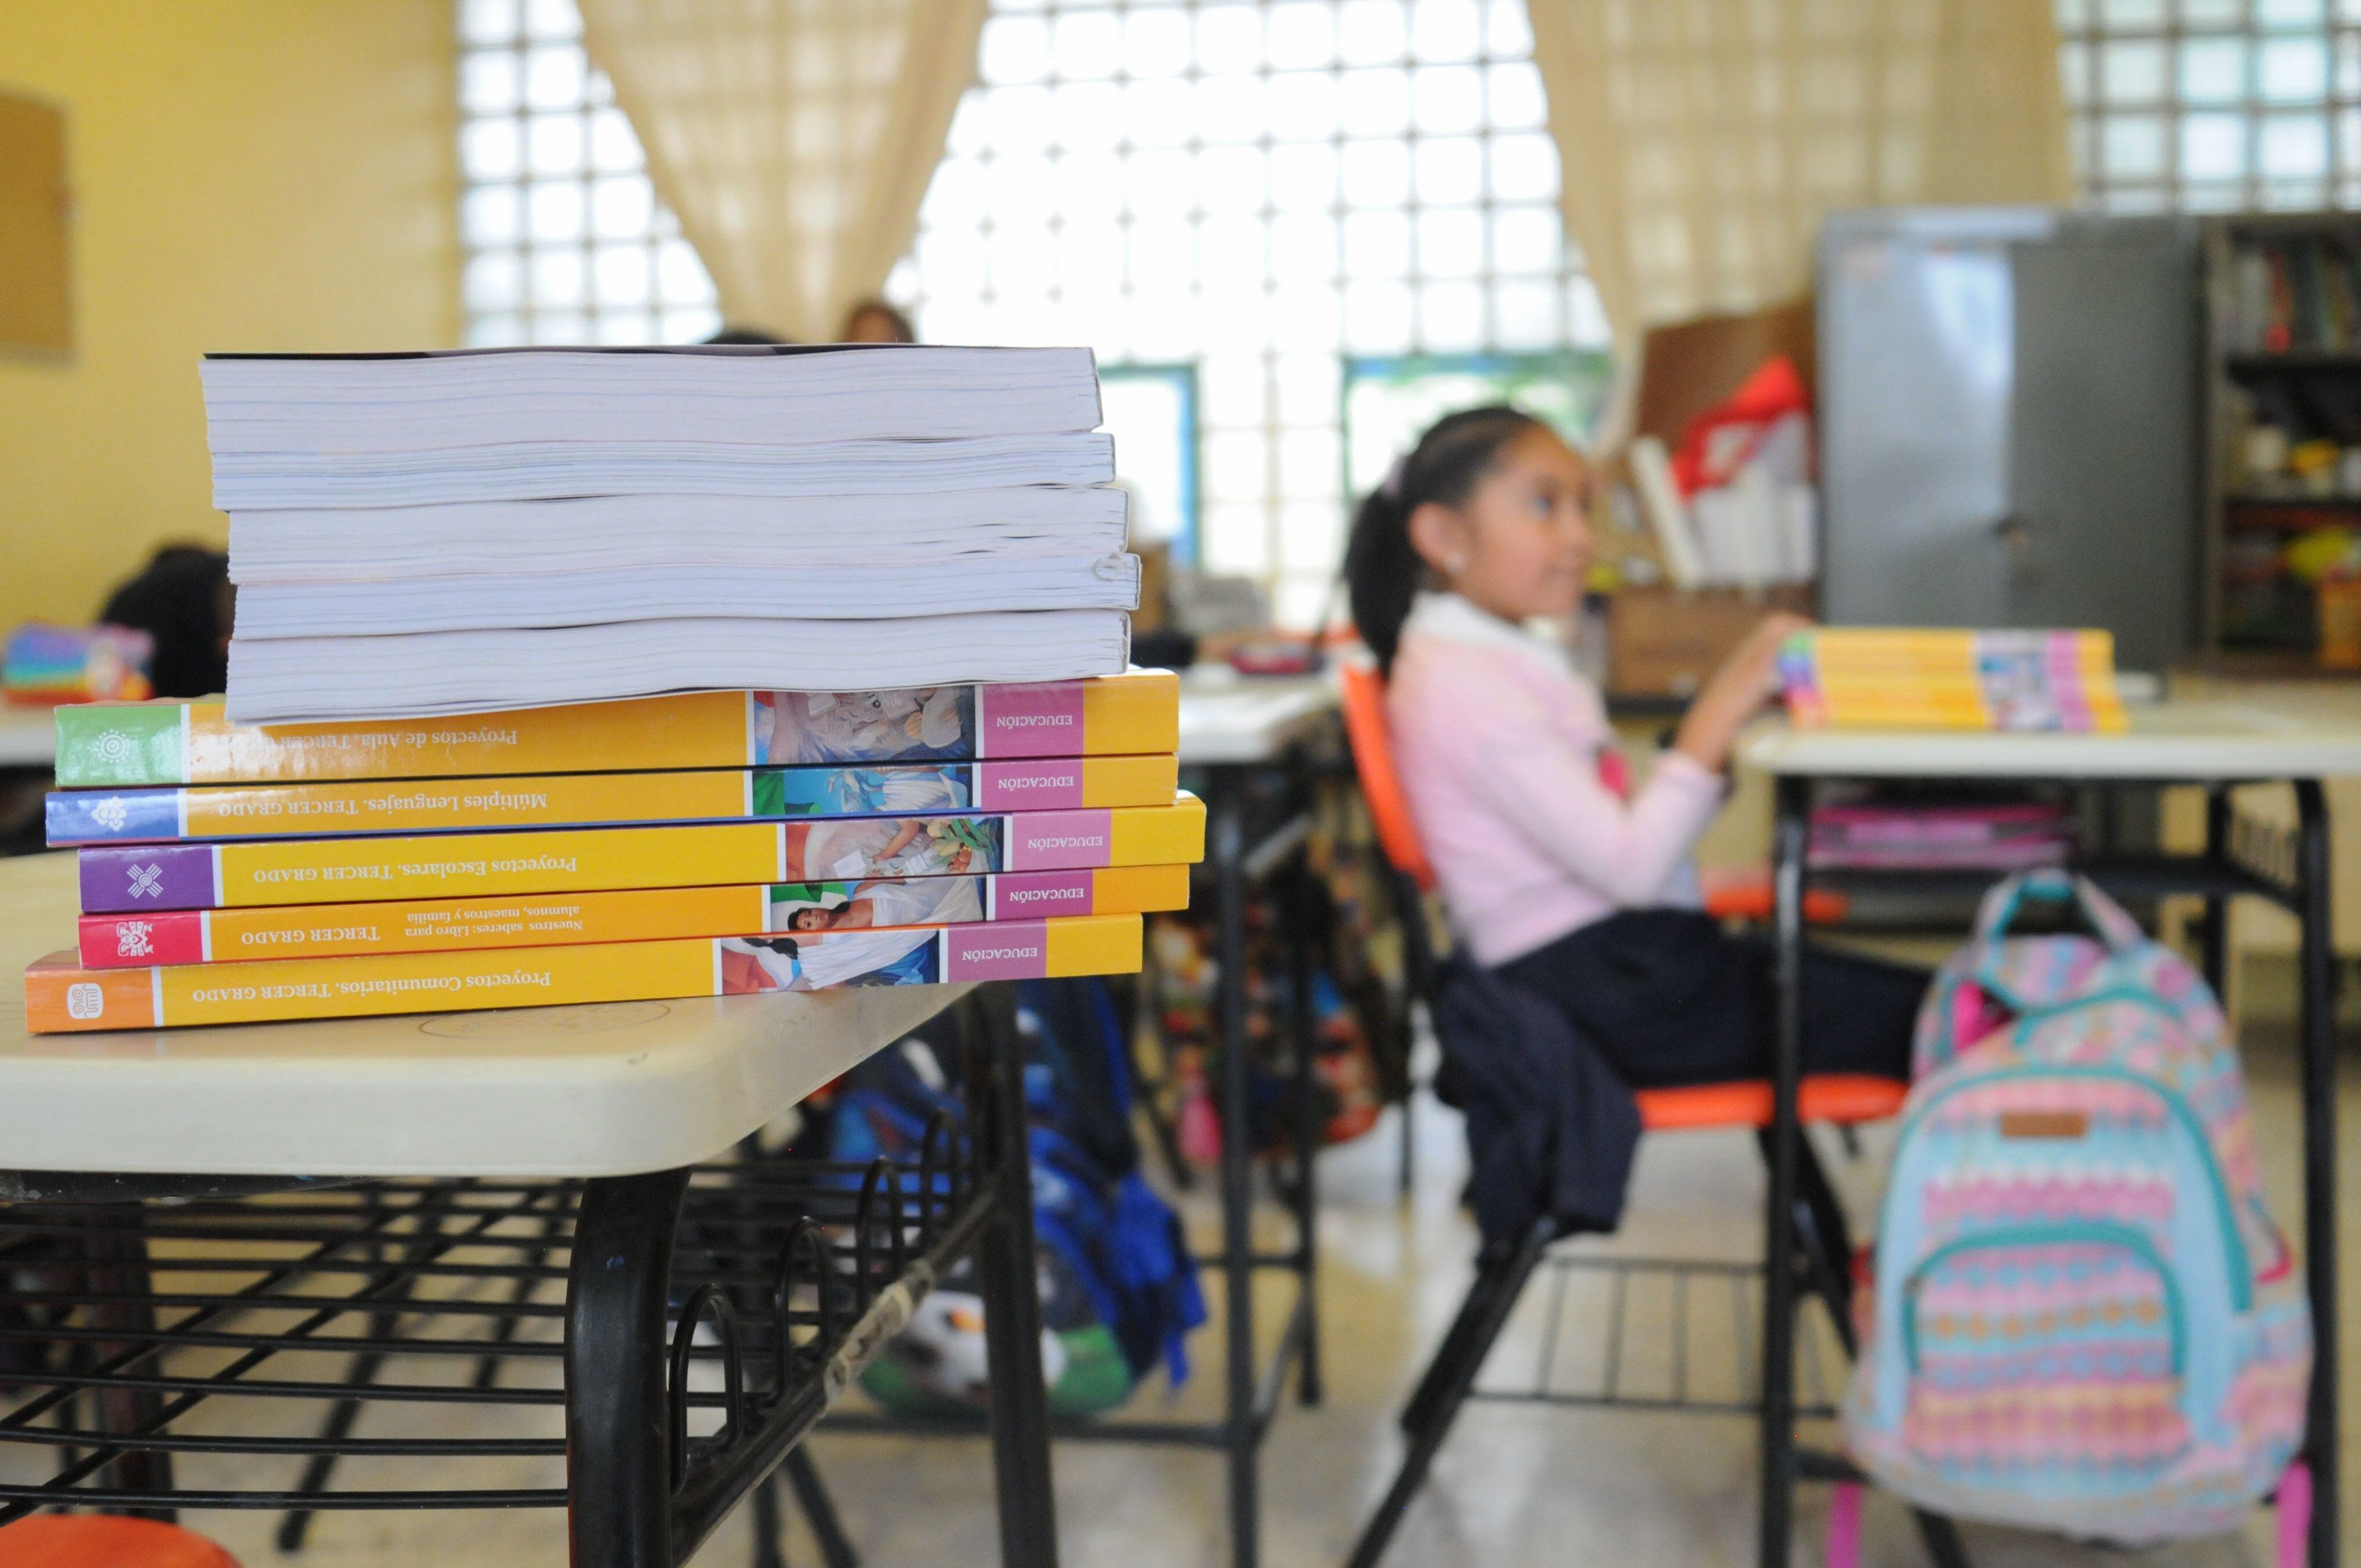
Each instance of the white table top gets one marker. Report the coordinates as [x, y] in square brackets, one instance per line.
[2192, 742]
[28, 737]
[1227, 719]
[596, 1090]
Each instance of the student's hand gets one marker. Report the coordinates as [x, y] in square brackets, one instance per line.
[1746, 682]
[1753, 666]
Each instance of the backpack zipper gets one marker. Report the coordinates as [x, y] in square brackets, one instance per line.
[2105, 1233]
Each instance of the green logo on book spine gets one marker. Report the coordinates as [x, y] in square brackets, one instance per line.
[106, 745]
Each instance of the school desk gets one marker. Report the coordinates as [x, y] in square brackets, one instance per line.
[2218, 746]
[1247, 737]
[1244, 745]
[525, 1211]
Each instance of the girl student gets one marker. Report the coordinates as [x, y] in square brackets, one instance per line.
[1556, 872]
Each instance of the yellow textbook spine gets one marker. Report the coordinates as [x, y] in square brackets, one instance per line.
[61, 996]
[1173, 835]
[1136, 712]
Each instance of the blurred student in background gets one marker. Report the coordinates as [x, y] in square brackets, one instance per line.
[1561, 873]
[874, 320]
[184, 600]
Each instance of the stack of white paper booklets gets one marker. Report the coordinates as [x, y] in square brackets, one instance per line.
[426, 534]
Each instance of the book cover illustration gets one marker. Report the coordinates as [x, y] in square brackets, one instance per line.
[590, 800]
[127, 745]
[121, 879]
[61, 996]
[630, 914]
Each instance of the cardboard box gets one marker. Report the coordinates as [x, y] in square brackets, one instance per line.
[1662, 643]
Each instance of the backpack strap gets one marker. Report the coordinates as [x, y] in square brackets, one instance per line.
[2051, 885]
[1995, 960]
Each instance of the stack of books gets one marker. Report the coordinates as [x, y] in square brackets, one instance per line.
[794, 833]
[1898, 678]
[449, 532]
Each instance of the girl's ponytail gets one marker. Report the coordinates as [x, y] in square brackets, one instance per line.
[1381, 571]
[1382, 568]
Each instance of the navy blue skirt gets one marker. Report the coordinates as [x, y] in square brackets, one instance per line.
[1671, 999]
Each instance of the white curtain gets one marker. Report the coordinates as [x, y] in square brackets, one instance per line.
[794, 137]
[1703, 140]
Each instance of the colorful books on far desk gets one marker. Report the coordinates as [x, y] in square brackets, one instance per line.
[1902, 678]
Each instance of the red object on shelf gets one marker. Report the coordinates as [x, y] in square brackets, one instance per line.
[1774, 392]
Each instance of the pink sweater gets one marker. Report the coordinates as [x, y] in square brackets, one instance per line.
[1505, 753]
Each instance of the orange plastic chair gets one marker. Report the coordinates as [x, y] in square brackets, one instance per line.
[1835, 1097]
[101, 1540]
[1501, 1274]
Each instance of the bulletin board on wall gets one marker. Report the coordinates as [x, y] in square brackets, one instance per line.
[35, 305]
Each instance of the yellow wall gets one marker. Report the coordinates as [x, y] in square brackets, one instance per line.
[247, 174]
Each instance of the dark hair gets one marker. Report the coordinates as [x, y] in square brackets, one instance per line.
[895, 320]
[1381, 567]
[747, 337]
[183, 599]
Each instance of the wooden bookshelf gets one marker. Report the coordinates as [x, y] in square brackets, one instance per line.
[2282, 297]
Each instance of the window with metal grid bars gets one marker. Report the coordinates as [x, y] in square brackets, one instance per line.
[2206, 106]
[1262, 188]
[565, 239]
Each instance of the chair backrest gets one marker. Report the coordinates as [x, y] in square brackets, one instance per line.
[1373, 759]
[1409, 872]
[101, 1540]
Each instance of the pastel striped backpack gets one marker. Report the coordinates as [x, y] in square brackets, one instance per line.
[2081, 1316]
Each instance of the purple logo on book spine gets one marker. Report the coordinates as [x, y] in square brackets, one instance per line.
[1058, 841]
[155, 876]
[1030, 786]
[1043, 720]
[997, 950]
[1042, 893]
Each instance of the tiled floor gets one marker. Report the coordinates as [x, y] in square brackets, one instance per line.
[1517, 1484]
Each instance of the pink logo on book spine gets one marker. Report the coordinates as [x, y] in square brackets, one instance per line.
[1043, 893]
[1014, 949]
[1058, 841]
[1029, 786]
[1043, 720]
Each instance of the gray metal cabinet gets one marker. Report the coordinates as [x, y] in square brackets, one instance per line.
[2009, 422]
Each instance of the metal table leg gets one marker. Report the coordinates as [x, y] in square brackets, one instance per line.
[119, 1269]
[2213, 938]
[1226, 847]
[1018, 1400]
[1303, 1020]
[617, 1418]
[2319, 1163]
[1778, 1455]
